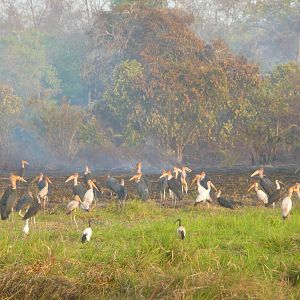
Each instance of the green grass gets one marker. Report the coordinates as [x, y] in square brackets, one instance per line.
[136, 254]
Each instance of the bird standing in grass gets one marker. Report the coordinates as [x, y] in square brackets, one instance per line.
[9, 198]
[180, 230]
[43, 193]
[286, 204]
[174, 186]
[224, 202]
[141, 186]
[32, 210]
[24, 202]
[261, 195]
[78, 189]
[72, 206]
[26, 227]
[87, 233]
[89, 196]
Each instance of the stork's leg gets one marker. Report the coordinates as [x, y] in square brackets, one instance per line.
[12, 215]
[273, 205]
[34, 222]
[75, 220]
[164, 194]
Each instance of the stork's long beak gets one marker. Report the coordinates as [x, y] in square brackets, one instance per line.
[19, 178]
[251, 187]
[48, 179]
[35, 179]
[163, 175]
[25, 162]
[70, 178]
[132, 178]
[255, 173]
[194, 180]
[281, 183]
[94, 186]
[213, 186]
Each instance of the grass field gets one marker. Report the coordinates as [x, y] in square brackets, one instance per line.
[136, 254]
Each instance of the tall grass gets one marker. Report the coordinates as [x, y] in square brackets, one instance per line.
[136, 254]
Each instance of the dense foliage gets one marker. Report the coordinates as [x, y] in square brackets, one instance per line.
[143, 74]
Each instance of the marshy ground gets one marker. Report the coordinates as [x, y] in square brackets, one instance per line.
[135, 253]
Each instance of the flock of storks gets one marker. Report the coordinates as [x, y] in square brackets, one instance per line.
[173, 182]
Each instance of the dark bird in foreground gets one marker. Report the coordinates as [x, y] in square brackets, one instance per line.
[24, 202]
[87, 233]
[180, 230]
[33, 210]
[10, 196]
[224, 202]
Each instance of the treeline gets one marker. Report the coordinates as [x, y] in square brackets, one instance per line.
[77, 78]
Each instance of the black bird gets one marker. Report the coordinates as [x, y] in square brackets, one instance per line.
[163, 187]
[113, 184]
[173, 185]
[224, 202]
[267, 185]
[10, 196]
[33, 210]
[78, 189]
[144, 178]
[24, 202]
[141, 186]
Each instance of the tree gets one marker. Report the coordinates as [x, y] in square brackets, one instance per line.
[172, 87]
[25, 67]
[10, 109]
[64, 129]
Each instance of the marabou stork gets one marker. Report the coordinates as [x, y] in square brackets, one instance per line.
[41, 181]
[43, 193]
[173, 185]
[89, 196]
[261, 195]
[9, 197]
[113, 184]
[286, 204]
[224, 202]
[72, 206]
[32, 210]
[144, 178]
[122, 193]
[87, 233]
[141, 186]
[184, 184]
[24, 202]
[78, 189]
[163, 187]
[180, 230]
[267, 185]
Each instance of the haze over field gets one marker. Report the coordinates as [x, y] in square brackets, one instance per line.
[183, 81]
